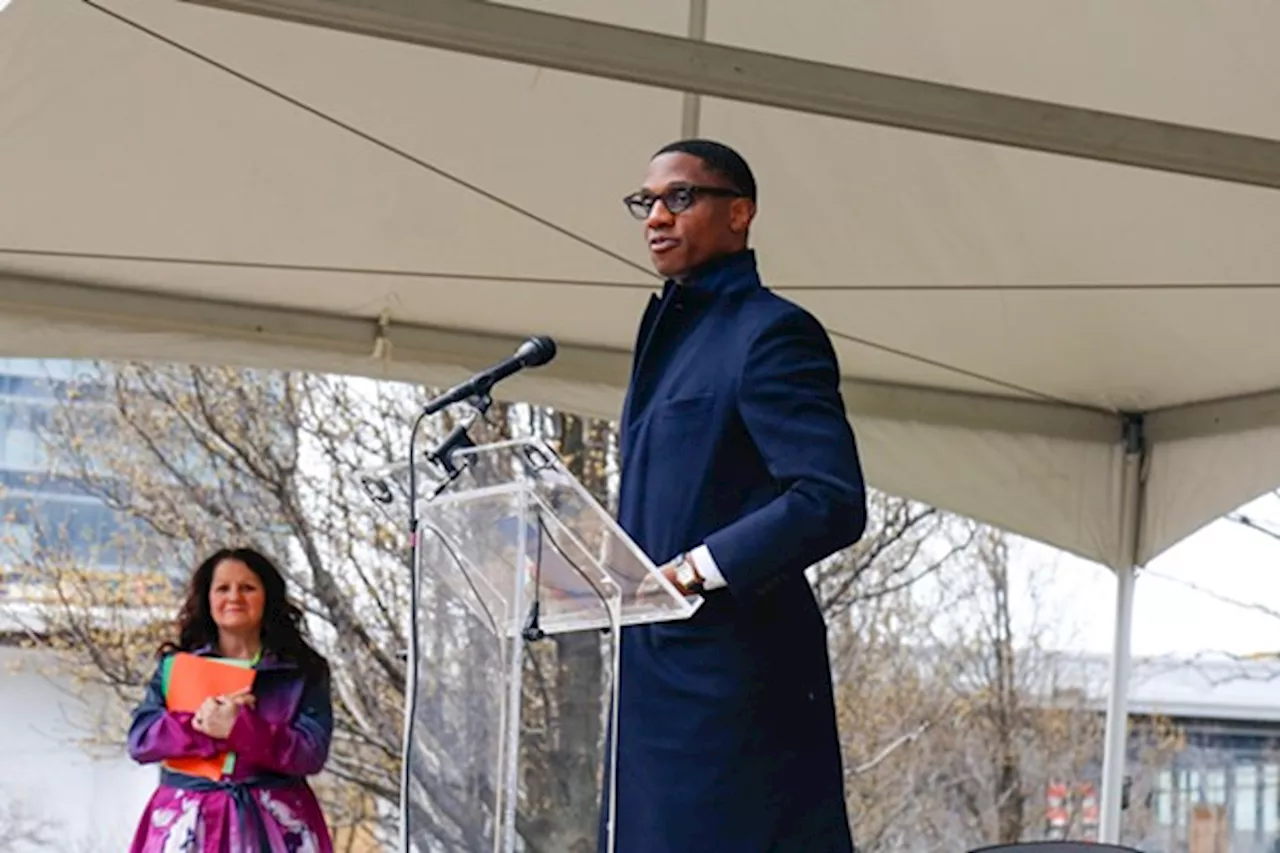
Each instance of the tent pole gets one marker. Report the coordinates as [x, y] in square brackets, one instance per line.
[1116, 746]
[691, 115]
[1116, 740]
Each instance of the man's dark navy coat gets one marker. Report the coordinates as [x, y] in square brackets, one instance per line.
[734, 436]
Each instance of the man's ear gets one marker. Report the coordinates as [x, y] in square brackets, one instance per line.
[741, 212]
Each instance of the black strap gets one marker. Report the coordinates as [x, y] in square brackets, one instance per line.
[241, 793]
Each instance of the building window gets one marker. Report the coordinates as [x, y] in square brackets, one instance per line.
[1270, 798]
[1245, 818]
[1164, 798]
[1215, 787]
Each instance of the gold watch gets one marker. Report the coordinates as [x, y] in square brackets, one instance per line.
[687, 577]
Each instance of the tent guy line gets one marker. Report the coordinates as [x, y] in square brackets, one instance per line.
[951, 368]
[647, 286]
[367, 137]
[14, 296]
[335, 269]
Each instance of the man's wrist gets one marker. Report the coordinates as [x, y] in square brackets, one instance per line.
[702, 560]
[687, 578]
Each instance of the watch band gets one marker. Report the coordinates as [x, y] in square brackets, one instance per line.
[687, 576]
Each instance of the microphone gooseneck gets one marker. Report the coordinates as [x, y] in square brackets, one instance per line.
[534, 352]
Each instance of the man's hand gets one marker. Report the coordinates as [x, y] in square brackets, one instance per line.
[651, 586]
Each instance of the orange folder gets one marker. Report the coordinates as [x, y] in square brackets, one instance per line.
[190, 680]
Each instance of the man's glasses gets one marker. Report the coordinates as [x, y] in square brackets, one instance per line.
[675, 200]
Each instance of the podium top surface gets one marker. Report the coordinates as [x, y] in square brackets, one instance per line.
[516, 527]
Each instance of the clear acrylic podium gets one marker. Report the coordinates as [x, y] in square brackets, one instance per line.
[524, 581]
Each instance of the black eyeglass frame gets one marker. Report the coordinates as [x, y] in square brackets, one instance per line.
[676, 199]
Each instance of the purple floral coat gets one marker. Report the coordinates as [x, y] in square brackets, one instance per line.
[264, 805]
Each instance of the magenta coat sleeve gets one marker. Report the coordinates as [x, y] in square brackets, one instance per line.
[155, 733]
[296, 747]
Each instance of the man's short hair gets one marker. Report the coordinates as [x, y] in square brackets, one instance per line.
[719, 158]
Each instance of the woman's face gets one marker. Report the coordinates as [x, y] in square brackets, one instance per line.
[236, 597]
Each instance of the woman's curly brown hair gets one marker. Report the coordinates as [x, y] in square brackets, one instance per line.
[283, 630]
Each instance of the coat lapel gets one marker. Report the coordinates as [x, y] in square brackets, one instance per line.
[719, 278]
[643, 376]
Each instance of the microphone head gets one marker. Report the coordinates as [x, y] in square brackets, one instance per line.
[536, 351]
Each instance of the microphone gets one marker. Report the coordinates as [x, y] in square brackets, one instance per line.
[534, 352]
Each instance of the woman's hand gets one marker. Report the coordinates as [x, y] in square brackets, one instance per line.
[217, 714]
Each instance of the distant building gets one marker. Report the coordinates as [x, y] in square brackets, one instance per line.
[35, 501]
[80, 800]
[75, 801]
[1221, 780]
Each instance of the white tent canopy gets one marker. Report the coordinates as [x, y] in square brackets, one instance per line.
[1077, 348]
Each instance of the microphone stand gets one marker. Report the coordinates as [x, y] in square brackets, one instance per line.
[442, 455]
[476, 393]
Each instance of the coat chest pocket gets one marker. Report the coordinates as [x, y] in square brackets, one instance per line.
[687, 412]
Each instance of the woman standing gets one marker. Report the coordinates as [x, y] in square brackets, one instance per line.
[276, 734]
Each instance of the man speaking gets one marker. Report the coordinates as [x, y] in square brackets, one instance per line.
[740, 469]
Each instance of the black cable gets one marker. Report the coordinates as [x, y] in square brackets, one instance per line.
[462, 569]
[614, 639]
[543, 531]
[411, 676]
[532, 629]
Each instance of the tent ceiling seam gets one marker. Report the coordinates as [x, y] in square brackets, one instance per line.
[922, 289]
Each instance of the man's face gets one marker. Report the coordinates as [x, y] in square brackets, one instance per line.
[712, 226]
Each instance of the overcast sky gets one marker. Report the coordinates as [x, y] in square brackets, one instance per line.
[1224, 558]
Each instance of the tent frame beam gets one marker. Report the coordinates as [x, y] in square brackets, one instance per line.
[704, 68]
[1228, 416]
[347, 341]
[93, 306]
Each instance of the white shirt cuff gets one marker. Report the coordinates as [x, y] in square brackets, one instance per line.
[706, 566]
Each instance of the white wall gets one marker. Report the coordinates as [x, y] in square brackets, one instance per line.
[41, 763]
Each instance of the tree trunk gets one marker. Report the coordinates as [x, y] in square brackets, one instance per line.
[1010, 802]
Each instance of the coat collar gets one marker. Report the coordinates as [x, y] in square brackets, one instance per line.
[270, 660]
[720, 276]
